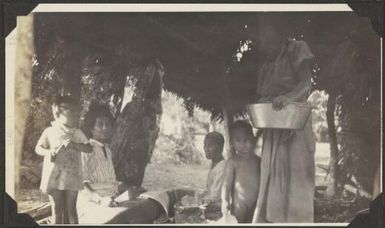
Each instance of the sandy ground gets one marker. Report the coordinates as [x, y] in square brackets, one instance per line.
[161, 176]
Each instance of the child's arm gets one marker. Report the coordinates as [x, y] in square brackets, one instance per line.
[86, 148]
[40, 150]
[80, 142]
[42, 146]
[227, 185]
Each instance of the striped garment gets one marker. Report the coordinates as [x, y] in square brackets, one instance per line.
[98, 169]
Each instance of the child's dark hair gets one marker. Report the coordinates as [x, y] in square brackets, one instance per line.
[241, 125]
[217, 137]
[64, 100]
[95, 111]
[57, 101]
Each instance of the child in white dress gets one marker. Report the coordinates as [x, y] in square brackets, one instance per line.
[61, 145]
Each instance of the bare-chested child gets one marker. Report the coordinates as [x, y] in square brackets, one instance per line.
[241, 178]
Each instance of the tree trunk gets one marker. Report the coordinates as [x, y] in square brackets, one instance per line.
[130, 139]
[333, 164]
[70, 69]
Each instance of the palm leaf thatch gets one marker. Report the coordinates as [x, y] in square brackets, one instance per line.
[196, 49]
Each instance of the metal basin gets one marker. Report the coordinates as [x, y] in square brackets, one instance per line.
[292, 116]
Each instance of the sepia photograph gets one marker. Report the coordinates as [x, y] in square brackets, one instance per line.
[207, 114]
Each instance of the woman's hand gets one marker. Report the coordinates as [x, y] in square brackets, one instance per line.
[107, 202]
[280, 102]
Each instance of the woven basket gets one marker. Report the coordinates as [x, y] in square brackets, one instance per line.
[292, 116]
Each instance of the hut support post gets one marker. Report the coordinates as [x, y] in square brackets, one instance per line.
[333, 164]
[228, 118]
[227, 121]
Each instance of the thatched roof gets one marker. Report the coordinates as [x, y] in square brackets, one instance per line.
[196, 48]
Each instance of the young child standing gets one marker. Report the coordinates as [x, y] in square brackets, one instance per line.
[213, 147]
[61, 145]
[241, 178]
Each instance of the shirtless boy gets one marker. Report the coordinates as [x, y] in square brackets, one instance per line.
[241, 177]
